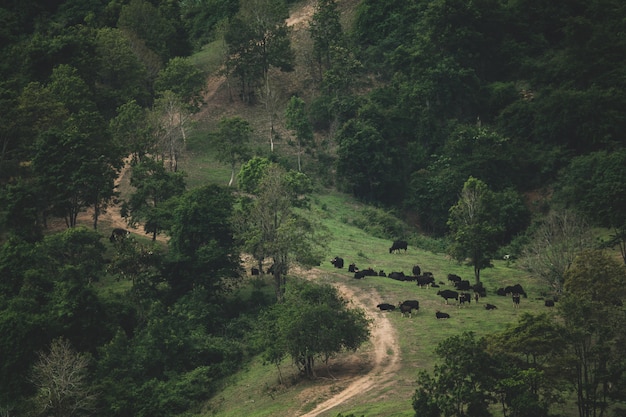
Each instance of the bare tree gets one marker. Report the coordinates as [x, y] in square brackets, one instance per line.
[60, 376]
[170, 119]
[554, 246]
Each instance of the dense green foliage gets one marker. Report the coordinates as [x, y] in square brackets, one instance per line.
[445, 112]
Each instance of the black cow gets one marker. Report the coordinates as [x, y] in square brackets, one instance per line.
[479, 290]
[337, 262]
[381, 273]
[369, 272]
[417, 270]
[386, 307]
[549, 303]
[413, 303]
[255, 271]
[465, 298]
[500, 291]
[408, 305]
[441, 315]
[454, 278]
[463, 285]
[490, 307]
[352, 268]
[425, 280]
[359, 274]
[516, 299]
[117, 234]
[447, 294]
[398, 245]
[515, 289]
[399, 276]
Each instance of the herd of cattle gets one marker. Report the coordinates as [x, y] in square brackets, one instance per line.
[462, 294]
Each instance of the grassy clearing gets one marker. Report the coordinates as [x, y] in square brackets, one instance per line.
[256, 392]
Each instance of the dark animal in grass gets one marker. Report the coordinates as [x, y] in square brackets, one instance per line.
[501, 292]
[398, 245]
[359, 274]
[490, 307]
[417, 270]
[515, 289]
[337, 262]
[399, 276]
[407, 306]
[454, 278]
[352, 268]
[463, 285]
[549, 303]
[442, 315]
[516, 299]
[447, 294]
[386, 307]
[369, 272]
[117, 234]
[425, 280]
[479, 289]
[465, 298]
[381, 273]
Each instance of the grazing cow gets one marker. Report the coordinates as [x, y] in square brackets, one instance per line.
[441, 315]
[369, 272]
[398, 245]
[425, 280]
[255, 271]
[480, 289]
[515, 289]
[413, 303]
[516, 299]
[490, 307]
[463, 285]
[337, 262]
[117, 234]
[399, 276]
[417, 270]
[454, 278]
[465, 298]
[381, 273]
[352, 268]
[359, 274]
[549, 303]
[405, 309]
[386, 307]
[501, 292]
[447, 294]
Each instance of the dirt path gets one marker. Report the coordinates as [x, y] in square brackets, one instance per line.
[384, 356]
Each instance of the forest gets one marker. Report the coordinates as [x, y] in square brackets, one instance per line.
[476, 129]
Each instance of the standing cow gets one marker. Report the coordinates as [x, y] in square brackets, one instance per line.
[398, 245]
[337, 262]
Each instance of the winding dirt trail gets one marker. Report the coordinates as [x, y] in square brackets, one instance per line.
[384, 354]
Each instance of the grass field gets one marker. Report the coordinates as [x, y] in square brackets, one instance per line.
[255, 392]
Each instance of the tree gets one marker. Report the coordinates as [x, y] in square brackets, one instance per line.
[203, 251]
[271, 228]
[554, 244]
[462, 382]
[169, 119]
[313, 322]
[231, 142]
[298, 122]
[473, 226]
[183, 78]
[154, 186]
[61, 378]
[595, 331]
[326, 32]
[76, 166]
[131, 131]
[593, 185]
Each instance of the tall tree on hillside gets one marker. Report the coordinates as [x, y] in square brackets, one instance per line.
[554, 244]
[154, 186]
[258, 40]
[131, 131]
[272, 229]
[298, 122]
[169, 120]
[325, 30]
[595, 331]
[473, 226]
[183, 78]
[231, 142]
